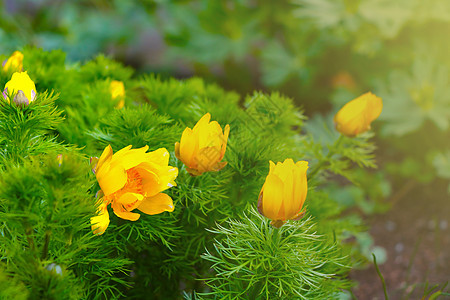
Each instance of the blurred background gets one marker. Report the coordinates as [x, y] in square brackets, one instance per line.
[321, 53]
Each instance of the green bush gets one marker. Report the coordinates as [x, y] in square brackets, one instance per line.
[48, 192]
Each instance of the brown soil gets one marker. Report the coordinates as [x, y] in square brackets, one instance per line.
[416, 236]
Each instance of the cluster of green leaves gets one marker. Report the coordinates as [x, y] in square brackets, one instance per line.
[46, 203]
[253, 260]
[47, 248]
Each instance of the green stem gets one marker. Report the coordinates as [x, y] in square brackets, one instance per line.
[30, 240]
[381, 277]
[322, 162]
[46, 243]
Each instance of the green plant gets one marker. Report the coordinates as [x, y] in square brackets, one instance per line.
[48, 192]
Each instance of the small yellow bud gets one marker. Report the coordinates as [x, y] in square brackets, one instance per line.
[21, 88]
[355, 116]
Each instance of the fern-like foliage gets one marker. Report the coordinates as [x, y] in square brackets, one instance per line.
[253, 260]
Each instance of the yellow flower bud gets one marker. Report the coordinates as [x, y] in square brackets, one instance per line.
[133, 179]
[14, 62]
[355, 116]
[21, 87]
[284, 192]
[202, 148]
[117, 90]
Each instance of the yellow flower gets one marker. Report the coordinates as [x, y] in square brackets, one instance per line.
[133, 178]
[284, 192]
[117, 90]
[355, 116]
[21, 87]
[201, 149]
[14, 62]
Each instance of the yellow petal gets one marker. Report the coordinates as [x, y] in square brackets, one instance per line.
[290, 199]
[100, 222]
[130, 158]
[272, 200]
[156, 204]
[272, 166]
[300, 185]
[374, 106]
[209, 135]
[111, 179]
[117, 89]
[105, 157]
[121, 212]
[129, 198]
[151, 184]
[207, 158]
[203, 121]
[156, 178]
[177, 150]
[188, 146]
[159, 156]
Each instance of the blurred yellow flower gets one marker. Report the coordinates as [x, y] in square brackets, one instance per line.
[14, 62]
[355, 116]
[133, 178]
[117, 90]
[21, 87]
[202, 148]
[284, 192]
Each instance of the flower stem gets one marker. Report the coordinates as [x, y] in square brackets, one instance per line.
[46, 243]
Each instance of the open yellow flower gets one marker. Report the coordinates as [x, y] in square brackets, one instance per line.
[14, 62]
[202, 148]
[117, 90]
[21, 87]
[284, 192]
[133, 179]
[355, 116]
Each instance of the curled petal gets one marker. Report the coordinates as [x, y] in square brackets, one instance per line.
[121, 212]
[156, 204]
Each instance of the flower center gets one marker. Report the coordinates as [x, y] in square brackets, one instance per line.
[133, 185]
